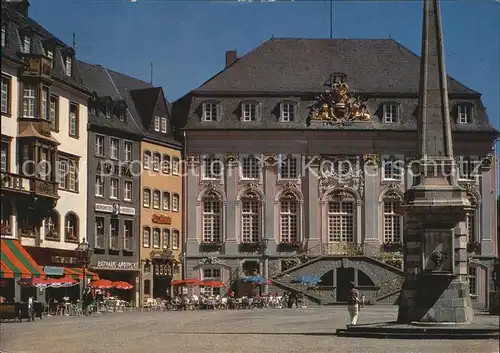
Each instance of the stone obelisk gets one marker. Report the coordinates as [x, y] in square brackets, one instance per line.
[435, 289]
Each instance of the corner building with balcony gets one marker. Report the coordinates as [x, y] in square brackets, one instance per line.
[114, 196]
[44, 140]
[298, 156]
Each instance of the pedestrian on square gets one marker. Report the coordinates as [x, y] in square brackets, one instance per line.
[353, 302]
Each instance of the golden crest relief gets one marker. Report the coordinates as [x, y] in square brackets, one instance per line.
[338, 105]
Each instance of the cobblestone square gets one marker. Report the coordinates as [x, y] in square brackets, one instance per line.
[232, 331]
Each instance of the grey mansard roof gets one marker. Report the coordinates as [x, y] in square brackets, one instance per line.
[15, 23]
[304, 65]
[381, 70]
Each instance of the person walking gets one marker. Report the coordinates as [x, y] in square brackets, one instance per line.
[353, 302]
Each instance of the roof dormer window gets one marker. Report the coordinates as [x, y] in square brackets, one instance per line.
[390, 113]
[49, 53]
[108, 112]
[157, 123]
[4, 34]
[464, 113]
[68, 66]
[164, 125]
[287, 112]
[26, 45]
[121, 114]
[210, 111]
[249, 111]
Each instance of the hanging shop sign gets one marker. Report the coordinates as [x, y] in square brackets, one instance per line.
[115, 209]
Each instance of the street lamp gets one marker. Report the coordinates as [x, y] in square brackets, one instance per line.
[84, 252]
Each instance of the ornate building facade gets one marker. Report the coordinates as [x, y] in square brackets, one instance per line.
[44, 139]
[298, 157]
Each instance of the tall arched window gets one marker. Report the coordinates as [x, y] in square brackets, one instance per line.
[289, 215]
[71, 227]
[51, 226]
[392, 221]
[340, 213]
[212, 218]
[250, 217]
[146, 237]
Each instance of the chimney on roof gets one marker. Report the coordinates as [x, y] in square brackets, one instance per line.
[231, 57]
[20, 6]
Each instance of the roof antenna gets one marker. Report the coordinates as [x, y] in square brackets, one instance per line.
[151, 75]
[390, 35]
[74, 41]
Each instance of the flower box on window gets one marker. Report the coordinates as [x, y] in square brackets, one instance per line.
[71, 237]
[251, 246]
[473, 247]
[5, 228]
[293, 245]
[28, 232]
[52, 235]
[211, 245]
[392, 247]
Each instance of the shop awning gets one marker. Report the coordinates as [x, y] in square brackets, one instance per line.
[16, 262]
[77, 273]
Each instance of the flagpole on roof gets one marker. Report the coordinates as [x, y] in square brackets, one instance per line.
[331, 19]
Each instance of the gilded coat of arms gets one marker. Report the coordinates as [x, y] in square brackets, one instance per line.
[339, 106]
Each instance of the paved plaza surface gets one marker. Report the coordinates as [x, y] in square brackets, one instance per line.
[233, 331]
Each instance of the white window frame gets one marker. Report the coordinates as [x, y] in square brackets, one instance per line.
[128, 231]
[146, 201]
[68, 66]
[165, 161]
[287, 115]
[62, 171]
[392, 221]
[54, 112]
[165, 235]
[113, 191]
[114, 148]
[128, 153]
[289, 219]
[26, 46]
[210, 111]
[107, 111]
[283, 160]
[6, 84]
[45, 103]
[164, 125]
[100, 238]
[127, 190]
[175, 202]
[157, 123]
[99, 145]
[165, 201]
[114, 233]
[4, 34]
[210, 173]
[465, 112]
[29, 100]
[99, 186]
[342, 217]
[256, 167]
[249, 111]
[146, 237]
[156, 161]
[390, 113]
[146, 157]
[156, 205]
[156, 235]
[389, 171]
[72, 175]
[175, 239]
[73, 120]
[250, 220]
[212, 221]
[175, 166]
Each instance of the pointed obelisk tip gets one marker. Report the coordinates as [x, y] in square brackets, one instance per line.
[434, 126]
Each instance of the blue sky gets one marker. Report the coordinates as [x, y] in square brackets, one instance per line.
[187, 40]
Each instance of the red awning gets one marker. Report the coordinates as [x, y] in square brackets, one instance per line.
[217, 284]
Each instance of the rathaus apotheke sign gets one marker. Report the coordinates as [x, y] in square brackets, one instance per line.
[117, 265]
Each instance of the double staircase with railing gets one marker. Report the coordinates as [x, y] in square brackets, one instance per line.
[382, 264]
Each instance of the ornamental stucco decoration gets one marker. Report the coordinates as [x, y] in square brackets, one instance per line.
[211, 261]
[338, 105]
[371, 160]
[487, 162]
[341, 172]
[251, 191]
[270, 160]
[212, 192]
[230, 159]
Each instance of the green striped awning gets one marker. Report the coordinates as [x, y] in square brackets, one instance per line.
[16, 262]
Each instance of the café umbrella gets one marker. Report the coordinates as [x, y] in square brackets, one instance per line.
[101, 284]
[122, 285]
